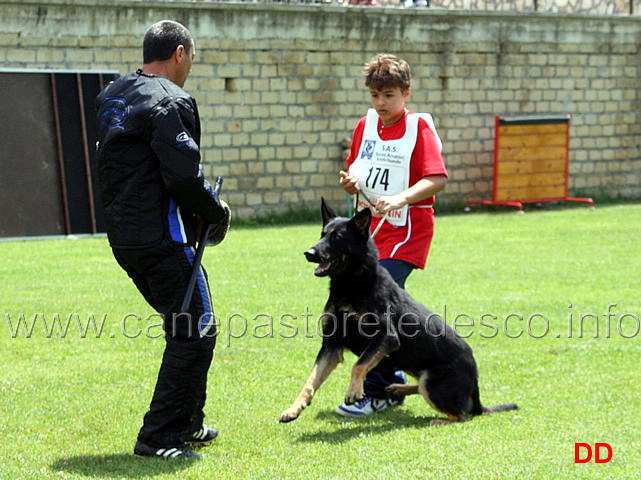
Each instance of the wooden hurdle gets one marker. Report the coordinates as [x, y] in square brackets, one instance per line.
[531, 162]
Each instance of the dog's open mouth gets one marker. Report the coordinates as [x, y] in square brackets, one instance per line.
[323, 268]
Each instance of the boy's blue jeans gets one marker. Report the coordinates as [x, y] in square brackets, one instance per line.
[398, 269]
[378, 379]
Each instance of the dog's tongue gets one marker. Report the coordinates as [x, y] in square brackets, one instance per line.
[322, 268]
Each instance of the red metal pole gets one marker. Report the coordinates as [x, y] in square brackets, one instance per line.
[567, 155]
[61, 163]
[496, 157]
[85, 147]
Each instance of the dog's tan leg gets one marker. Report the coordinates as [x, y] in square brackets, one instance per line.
[372, 356]
[326, 362]
[400, 389]
[450, 419]
[355, 390]
[359, 371]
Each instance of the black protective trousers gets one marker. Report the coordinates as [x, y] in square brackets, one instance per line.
[161, 273]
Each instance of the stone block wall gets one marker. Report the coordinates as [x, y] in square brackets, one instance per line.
[602, 7]
[279, 86]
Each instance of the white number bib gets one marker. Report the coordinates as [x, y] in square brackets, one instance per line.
[382, 168]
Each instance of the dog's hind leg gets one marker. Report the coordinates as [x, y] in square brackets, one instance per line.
[326, 361]
[425, 392]
[400, 389]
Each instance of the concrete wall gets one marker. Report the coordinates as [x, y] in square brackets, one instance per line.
[279, 86]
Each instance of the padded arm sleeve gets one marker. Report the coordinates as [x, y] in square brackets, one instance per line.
[174, 127]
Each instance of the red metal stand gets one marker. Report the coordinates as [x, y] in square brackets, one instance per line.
[531, 162]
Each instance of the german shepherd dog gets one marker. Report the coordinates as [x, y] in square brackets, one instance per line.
[368, 313]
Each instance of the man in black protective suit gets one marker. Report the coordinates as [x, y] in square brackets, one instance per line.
[155, 196]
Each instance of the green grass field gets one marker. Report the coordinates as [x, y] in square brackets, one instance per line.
[520, 287]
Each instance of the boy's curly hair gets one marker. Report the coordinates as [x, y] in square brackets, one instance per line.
[385, 70]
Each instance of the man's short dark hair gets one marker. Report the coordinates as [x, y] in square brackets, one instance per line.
[162, 39]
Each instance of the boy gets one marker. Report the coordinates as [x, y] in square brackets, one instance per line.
[395, 167]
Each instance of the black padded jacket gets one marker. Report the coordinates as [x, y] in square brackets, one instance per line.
[152, 183]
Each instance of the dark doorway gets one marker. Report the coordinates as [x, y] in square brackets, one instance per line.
[48, 183]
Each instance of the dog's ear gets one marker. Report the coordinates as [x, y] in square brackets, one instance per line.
[326, 212]
[362, 221]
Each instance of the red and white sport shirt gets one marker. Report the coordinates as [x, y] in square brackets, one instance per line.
[388, 160]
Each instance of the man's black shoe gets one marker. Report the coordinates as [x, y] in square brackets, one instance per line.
[202, 437]
[143, 450]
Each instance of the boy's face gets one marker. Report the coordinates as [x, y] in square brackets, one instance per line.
[389, 103]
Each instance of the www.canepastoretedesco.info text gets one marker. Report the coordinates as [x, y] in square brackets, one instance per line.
[234, 326]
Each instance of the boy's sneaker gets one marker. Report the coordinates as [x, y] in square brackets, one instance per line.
[366, 406]
[202, 437]
[143, 450]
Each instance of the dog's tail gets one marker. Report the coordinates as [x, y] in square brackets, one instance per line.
[504, 407]
[478, 409]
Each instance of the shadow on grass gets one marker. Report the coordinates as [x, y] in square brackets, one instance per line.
[119, 465]
[350, 428]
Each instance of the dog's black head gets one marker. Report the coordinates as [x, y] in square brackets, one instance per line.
[343, 242]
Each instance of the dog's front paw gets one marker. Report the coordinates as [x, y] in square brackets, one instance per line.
[290, 414]
[353, 397]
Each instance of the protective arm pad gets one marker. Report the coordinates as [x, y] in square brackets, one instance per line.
[218, 231]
